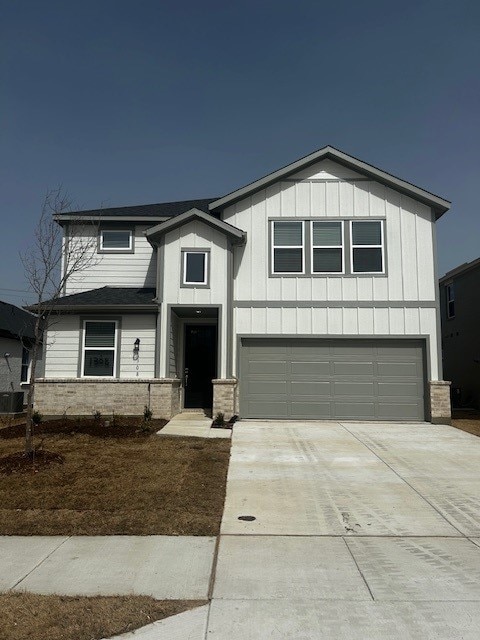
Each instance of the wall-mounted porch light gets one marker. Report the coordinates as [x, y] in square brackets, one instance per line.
[136, 348]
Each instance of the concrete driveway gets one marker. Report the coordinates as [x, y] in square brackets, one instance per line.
[341, 530]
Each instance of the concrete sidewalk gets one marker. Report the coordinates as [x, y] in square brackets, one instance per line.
[330, 531]
[164, 567]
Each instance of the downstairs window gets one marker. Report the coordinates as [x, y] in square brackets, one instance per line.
[99, 348]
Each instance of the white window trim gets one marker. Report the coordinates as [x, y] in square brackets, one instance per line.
[130, 240]
[290, 246]
[205, 268]
[114, 349]
[29, 368]
[330, 246]
[367, 246]
[450, 288]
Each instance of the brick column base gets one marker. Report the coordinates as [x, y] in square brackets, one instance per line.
[440, 406]
[165, 398]
[224, 397]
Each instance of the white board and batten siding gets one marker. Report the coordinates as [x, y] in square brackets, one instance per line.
[64, 342]
[328, 190]
[193, 235]
[137, 269]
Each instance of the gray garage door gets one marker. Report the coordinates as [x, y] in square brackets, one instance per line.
[334, 379]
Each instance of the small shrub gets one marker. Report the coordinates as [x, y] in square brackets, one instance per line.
[147, 414]
[37, 417]
[219, 419]
[97, 415]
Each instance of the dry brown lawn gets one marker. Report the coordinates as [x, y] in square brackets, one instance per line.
[106, 486]
[467, 421]
[25, 616]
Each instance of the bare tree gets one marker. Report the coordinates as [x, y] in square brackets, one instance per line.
[49, 263]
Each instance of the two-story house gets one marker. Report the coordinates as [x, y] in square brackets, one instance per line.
[309, 293]
[460, 316]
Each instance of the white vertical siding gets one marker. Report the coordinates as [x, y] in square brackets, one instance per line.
[193, 235]
[408, 236]
[136, 269]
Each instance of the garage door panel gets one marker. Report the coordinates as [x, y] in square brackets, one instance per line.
[308, 389]
[353, 368]
[267, 367]
[322, 410]
[395, 389]
[264, 409]
[374, 379]
[354, 388]
[402, 411]
[304, 368]
[398, 369]
[354, 410]
[265, 387]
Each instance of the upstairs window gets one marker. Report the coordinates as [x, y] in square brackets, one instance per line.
[99, 348]
[367, 246]
[288, 254]
[116, 240]
[195, 268]
[327, 247]
[450, 299]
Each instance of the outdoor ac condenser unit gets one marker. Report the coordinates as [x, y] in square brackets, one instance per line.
[11, 402]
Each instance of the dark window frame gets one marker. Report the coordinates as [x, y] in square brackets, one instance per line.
[450, 300]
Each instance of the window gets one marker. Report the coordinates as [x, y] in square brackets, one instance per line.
[115, 240]
[195, 268]
[25, 365]
[288, 247]
[327, 247]
[367, 246]
[99, 348]
[450, 298]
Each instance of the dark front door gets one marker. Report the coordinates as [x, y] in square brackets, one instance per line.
[200, 364]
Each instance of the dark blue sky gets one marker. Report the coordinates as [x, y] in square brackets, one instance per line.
[139, 101]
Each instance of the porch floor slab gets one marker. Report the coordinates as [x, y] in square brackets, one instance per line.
[195, 424]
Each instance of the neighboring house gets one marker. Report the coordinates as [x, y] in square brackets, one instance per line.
[460, 315]
[16, 335]
[309, 293]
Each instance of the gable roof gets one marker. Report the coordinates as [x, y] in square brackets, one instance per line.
[439, 205]
[15, 322]
[134, 298]
[195, 214]
[466, 266]
[148, 212]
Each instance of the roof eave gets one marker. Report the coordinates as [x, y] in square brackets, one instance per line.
[128, 219]
[105, 307]
[439, 205]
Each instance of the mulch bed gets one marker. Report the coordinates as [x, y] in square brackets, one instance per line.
[20, 462]
[118, 427]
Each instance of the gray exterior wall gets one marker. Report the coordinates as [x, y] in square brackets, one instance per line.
[461, 335]
[11, 367]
